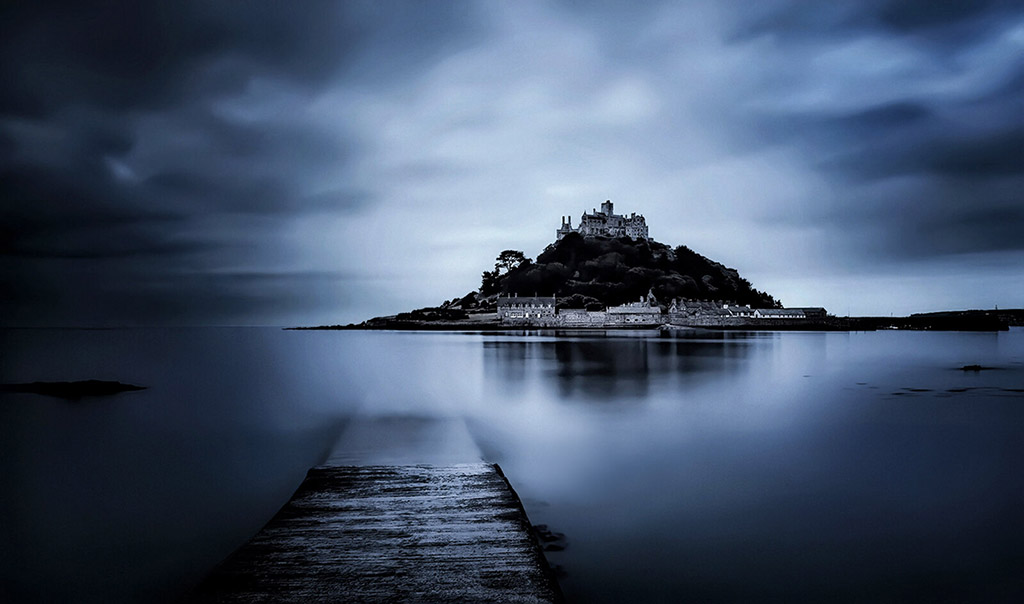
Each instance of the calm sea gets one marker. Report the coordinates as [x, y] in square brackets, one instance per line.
[706, 467]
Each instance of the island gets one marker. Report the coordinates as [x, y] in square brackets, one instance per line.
[608, 273]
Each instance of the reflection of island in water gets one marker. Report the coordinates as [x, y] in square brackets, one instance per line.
[604, 368]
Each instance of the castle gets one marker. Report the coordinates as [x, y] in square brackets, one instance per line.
[605, 223]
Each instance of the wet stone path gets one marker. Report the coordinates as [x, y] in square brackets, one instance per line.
[391, 533]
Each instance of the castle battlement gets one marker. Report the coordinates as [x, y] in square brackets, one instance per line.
[605, 223]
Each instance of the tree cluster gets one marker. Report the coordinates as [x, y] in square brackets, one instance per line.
[594, 272]
[506, 262]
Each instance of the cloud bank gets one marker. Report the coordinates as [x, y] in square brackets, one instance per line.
[211, 163]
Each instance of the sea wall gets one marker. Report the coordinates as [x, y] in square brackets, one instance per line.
[576, 317]
[698, 320]
[727, 322]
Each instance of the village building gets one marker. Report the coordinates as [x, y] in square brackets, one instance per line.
[779, 313]
[634, 313]
[812, 312]
[579, 317]
[605, 223]
[736, 310]
[540, 311]
[692, 307]
[708, 313]
[526, 309]
[618, 315]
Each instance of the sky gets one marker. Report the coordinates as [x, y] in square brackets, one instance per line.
[275, 163]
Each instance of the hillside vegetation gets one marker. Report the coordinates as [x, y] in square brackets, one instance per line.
[595, 272]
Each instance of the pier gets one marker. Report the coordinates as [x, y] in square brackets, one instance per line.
[400, 532]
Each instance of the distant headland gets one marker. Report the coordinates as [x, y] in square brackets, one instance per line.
[608, 273]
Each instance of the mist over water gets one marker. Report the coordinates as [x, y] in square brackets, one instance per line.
[707, 466]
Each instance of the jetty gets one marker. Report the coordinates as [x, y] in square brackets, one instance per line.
[359, 531]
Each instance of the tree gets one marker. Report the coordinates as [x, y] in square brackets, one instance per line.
[509, 259]
[489, 282]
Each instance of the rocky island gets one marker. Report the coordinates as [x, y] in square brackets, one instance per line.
[605, 273]
[608, 273]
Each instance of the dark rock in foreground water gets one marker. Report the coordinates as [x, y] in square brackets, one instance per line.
[72, 390]
[551, 541]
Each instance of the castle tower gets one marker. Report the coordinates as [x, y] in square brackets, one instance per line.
[605, 223]
[565, 229]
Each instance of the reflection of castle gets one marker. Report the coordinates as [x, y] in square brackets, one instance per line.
[606, 223]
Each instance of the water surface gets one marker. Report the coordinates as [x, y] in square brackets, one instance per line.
[712, 467]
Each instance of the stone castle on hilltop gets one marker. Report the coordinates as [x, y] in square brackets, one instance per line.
[605, 223]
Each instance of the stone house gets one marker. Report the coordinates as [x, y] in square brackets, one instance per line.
[779, 313]
[634, 313]
[526, 309]
[739, 311]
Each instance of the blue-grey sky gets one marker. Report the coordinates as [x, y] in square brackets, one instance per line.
[324, 162]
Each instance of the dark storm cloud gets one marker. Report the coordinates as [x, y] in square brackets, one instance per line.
[952, 20]
[913, 15]
[961, 218]
[891, 116]
[938, 154]
[125, 55]
[910, 138]
[925, 151]
[139, 138]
